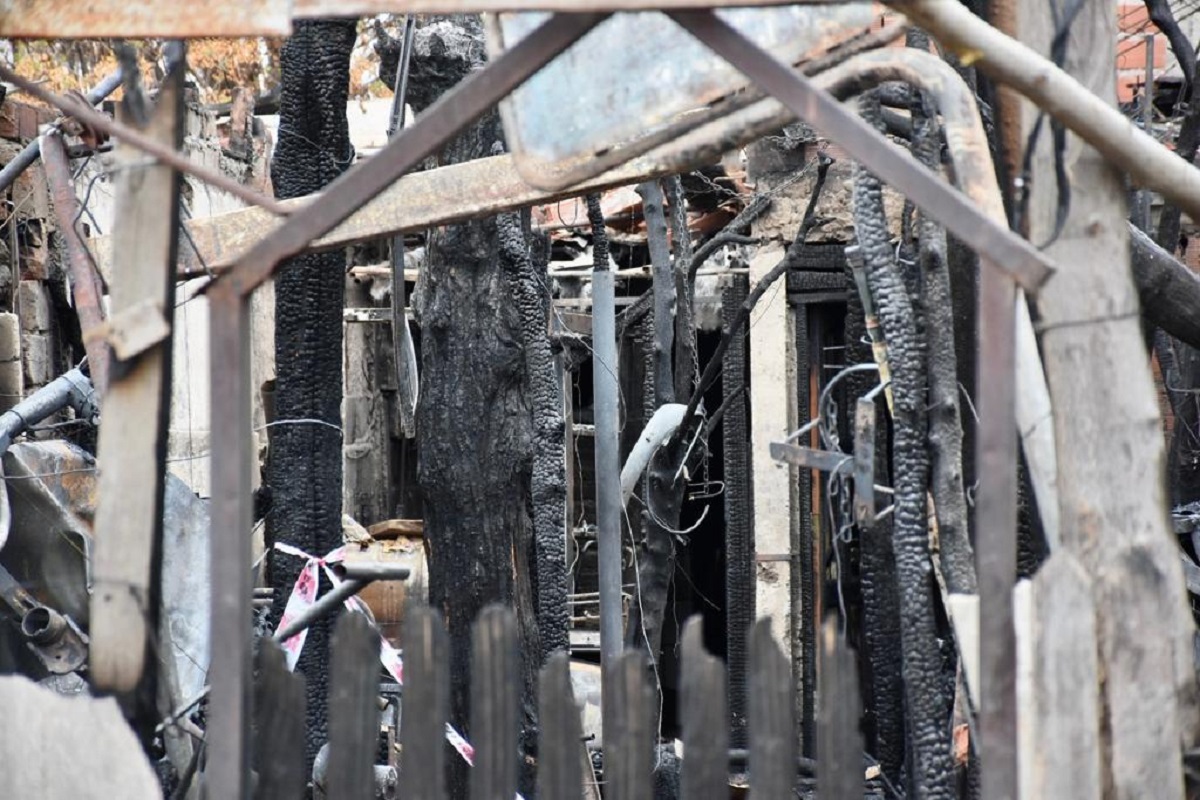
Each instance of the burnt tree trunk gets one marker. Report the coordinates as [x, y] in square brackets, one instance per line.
[305, 468]
[474, 420]
[548, 486]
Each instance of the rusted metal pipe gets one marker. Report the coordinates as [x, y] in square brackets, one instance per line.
[69, 389]
[86, 286]
[328, 603]
[22, 161]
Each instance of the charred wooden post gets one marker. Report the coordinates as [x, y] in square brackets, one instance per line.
[739, 523]
[548, 482]
[883, 690]
[687, 367]
[305, 466]
[945, 417]
[931, 770]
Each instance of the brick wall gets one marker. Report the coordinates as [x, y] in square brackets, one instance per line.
[1133, 24]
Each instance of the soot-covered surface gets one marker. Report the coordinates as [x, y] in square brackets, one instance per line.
[305, 469]
[930, 769]
[474, 419]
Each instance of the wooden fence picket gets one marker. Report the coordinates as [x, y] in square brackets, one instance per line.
[559, 772]
[426, 706]
[705, 720]
[772, 724]
[494, 691]
[839, 741]
[353, 713]
[279, 708]
[628, 764]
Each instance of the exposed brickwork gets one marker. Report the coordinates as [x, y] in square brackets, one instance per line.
[1133, 24]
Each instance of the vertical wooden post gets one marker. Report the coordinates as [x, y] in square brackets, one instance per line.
[279, 745]
[705, 726]
[133, 436]
[628, 737]
[1059, 706]
[772, 720]
[366, 440]
[426, 706]
[559, 772]
[1106, 418]
[996, 519]
[495, 688]
[840, 744]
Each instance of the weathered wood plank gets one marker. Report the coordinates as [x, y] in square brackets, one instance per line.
[1058, 684]
[279, 719]
[426, 706]
[628, 763]
[559, 773]
[56, 746]
[772, 717]
[133, 437]
[495, 687]
[353, 715]
[1106, 417]
[705, 721]
[839, 742]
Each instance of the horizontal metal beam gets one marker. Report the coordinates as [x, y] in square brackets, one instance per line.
[809, 458]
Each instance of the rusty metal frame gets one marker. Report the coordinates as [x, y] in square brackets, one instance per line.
[230, 331]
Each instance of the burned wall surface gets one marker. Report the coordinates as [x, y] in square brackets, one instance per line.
[305, 464]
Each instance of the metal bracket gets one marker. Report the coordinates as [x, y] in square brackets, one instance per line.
[862, 462]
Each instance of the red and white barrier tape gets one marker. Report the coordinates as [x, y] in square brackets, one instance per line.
[304, 595]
